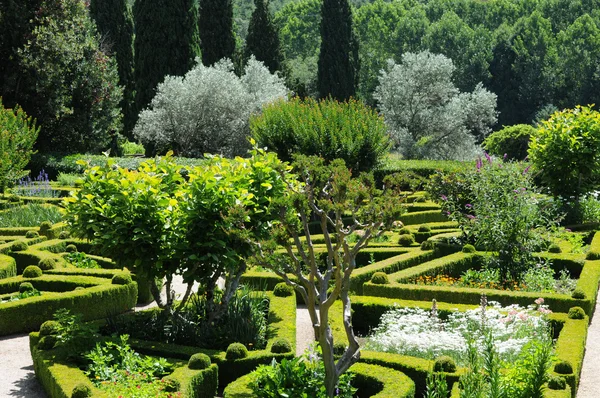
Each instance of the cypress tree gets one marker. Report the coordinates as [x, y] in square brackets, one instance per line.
[263, 39]
[216, 30]
[166, 43]
[337, 74]
[115, 24]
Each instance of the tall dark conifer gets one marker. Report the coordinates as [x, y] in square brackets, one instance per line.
[166, 43]
[115, 24]
[337, 74]
[263, 38]
[216, 30]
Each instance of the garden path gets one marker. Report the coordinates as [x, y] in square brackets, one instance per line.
[589, 385]
[305, 334]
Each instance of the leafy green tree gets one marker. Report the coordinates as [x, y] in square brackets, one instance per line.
[503, 81]
[263, 39]
[216, 30]
[115, 25]
[69, 84]
[411, 30]
[17, 136]
[338, 67]
[166, 43]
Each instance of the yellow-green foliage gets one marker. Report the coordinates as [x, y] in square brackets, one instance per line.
[384, 382]
[8, 267]
[594, 252]
[570, 346]
[423, 217]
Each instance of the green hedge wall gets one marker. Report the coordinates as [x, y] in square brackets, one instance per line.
[8, 267]
[423, 217]
[594, 252]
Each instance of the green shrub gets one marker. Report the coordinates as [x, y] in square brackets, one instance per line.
[557, 383]
[199, 361]
[122, 278]
[380, 278]
[424, 228]
[327, 128]
[283, 290]
[25, 287]
[339, 348]
[236, 351]
[468, 249]
[404, 231]
[554, 248]
[563, 368]
[45, 226]
[18, 246]
[444, 364]
[578, 294]
[281, 346]
[63, 235]
[47, 263]
[427, 245]
[32, 234]
[32, 271]
[511, 140]
[47, 342]
[49, 327]
[71, 249]
[81, 391]
[406, 240]
[576, 313]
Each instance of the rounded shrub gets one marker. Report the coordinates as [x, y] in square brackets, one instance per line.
[25, 287]
[63, 235]
[339, 348]
[511, 140]
[578, 294]
[427, 245]
[406, 240]
[424, 228]
[236, 351]
[71, 249]
[281, 346]
[444, 364]
[468, 249]
[282, 289]
[576, 313]
[32, 271]
[380, 278]
[47, 342]
[81, 391]
[557, 382]
[563, 368]
[49, 327]
[45, 226]
[554, 248]
[122, 278]
[199, 361]
[47, 263]
[32, 234]
[404, 231]
[18, 246]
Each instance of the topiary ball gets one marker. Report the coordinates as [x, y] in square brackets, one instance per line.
[32, 234]
[236, 351]
[47, 263]
[468, 249]
[578, 294]
[63, 235]
[45, 227]
[49, 328]
[424, 228]
[444, 364]
[122, 278]
[557, 383]
[406, 240]
[281, 346]
[427, 245]
[380, 278]
[554, 248]
[32, 271]
[199, 361]
[404, 231]
[71, 249]
[339, 348]
[47, 342]
[81, 391]
[282, 289]
[18, 246]
[563, 368]
[576, 313]
[25, 287]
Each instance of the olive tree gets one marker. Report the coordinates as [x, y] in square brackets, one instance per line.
[208, 109]
[428, 116]
[329, 194]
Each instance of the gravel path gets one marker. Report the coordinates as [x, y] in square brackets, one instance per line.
[305, 334]
[589, 385]
[17, 378]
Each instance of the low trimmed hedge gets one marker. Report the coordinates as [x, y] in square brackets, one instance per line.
[8, 267]
[594, 252]
[570, 346]
[423, 217]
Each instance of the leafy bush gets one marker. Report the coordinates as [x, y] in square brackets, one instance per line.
[578, 294]
[510, 143]
[236, 351]
[282, 289]
[122, 278]
[199, 361]
[25, 287]
[80, 260]
[444, 364]
[32, 271]
[81, 391]
[424, 228]
[47, 342]
[468, 248]
[380, 278]
[427, 245]
[18, 246]
[557, 383]
[563, 368]
[49, 328]
[45, 226]
[71, 249]
[47, 263]
[326, 128]
[17, 136]
[576, 313]
[406, 240]
[554, 248]
[281, 346]
[32, 234]
[208, 109]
